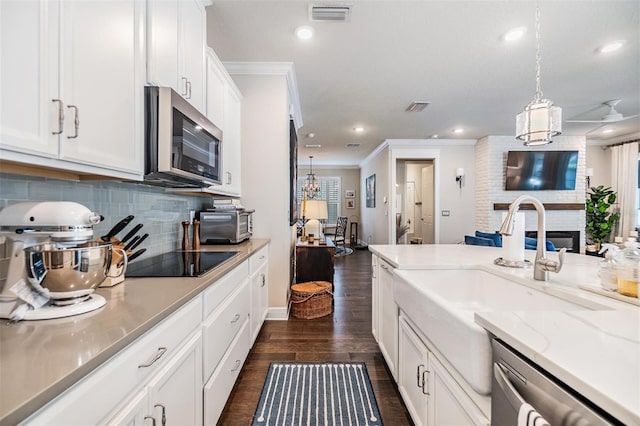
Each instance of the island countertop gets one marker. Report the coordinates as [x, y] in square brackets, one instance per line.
[41, 359]
[597, 352]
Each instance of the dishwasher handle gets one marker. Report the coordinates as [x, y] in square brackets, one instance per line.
[515, 399]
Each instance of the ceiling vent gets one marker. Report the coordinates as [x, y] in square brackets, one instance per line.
[352, 145]
[317, 145]
[333, 13]
[417, 106]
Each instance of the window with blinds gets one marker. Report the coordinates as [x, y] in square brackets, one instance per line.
[330, 190]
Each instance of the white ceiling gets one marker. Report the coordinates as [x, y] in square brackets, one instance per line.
[367, 71]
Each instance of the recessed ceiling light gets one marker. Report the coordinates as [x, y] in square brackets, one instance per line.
[458, 130]
[317, 145]
[311, 135]
[514, 34]
[304, 32]
[436, 136]
[611, 47]
[607, 131]
[358, 129]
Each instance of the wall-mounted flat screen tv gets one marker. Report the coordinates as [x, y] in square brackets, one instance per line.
[541, 170]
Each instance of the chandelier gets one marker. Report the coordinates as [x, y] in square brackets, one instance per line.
[540, 121]
[311, 186]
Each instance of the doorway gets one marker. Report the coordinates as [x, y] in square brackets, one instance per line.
[415, 202]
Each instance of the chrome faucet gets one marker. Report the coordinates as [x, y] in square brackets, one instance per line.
[542, 265]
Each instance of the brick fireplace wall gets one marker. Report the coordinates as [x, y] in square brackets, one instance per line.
[491, 160]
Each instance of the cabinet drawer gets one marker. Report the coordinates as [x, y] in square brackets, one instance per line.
[258, 259]
[222, 326]
[92, 399]
[217, 390]
[218, 292]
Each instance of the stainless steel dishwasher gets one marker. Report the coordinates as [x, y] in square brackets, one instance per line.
[517, 381]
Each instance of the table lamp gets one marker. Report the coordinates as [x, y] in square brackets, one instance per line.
[316, 210]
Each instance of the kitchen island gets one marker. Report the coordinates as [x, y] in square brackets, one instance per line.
[40, 360]
[595, 350]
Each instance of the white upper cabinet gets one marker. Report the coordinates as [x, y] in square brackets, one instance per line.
[72, 85]
[176, 31]
[224, 103]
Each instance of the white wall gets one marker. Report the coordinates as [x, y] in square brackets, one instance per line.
[265, 172]
[450, 154]
[600, 161]
[491, 157]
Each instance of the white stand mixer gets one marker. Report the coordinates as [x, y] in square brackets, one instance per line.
[28, 224]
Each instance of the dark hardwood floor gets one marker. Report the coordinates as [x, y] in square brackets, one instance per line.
[344, 335]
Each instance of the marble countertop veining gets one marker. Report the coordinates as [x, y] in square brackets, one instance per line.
[596, 352]
[41, 359]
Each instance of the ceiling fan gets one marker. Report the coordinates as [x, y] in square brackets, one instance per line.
[612, 116]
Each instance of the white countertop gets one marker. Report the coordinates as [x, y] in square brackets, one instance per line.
[597, 353]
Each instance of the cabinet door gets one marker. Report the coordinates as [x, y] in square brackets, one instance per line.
[132, 414]
[29, 76]
[374, 297]
[388, 325]
[191, 66]
[449, 405]
[259, 300]
[413, 371]
[162, 43]
[215, 92]
[231, 151]
[175, 394]
[101, 77]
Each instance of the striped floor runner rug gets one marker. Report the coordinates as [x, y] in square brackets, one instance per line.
[317, 394]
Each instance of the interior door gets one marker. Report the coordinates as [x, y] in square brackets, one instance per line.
[428, 230]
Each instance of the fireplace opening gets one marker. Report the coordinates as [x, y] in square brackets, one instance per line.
[561, 239]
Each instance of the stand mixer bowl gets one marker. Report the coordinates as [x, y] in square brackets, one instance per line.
[70, 274]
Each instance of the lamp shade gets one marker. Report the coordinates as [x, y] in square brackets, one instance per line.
[316, 209]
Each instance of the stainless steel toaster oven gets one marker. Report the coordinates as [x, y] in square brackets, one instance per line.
[228, 226]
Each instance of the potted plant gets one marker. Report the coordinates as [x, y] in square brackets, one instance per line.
[600, 221]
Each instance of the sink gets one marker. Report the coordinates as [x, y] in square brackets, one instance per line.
[442, 303]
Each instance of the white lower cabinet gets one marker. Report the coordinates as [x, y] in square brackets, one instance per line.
[387, 318]
[374, 296]
[259, 282]
[432, 395]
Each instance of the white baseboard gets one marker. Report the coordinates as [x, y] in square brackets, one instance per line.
[277, 314]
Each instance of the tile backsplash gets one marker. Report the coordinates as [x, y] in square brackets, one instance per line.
[159, 211]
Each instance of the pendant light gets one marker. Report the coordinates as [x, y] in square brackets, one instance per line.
[540, 121]
[311, 186]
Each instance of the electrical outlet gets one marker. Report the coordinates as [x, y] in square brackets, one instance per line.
[446, 213]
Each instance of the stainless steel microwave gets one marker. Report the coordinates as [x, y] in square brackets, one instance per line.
[227, 226]
[182, 147]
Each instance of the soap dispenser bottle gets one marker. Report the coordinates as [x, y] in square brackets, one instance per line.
[607, 270]
[629, 269]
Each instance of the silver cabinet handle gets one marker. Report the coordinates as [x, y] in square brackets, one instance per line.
[156, 357]
[262, 257]
[424, 382]
[153, 419]
[60, 116]
[76, 120]
[264, 280]
[236, 366]
[419, 376]
[188, 89]
[235, 319]
[383, 266]
[184, 80]
[228, 178]
[164, 413]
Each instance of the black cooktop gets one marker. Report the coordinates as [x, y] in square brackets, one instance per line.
[179, 264]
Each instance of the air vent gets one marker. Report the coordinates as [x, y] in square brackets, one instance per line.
[334, 13]
[352, 145]
[317, 145]
[417, 106]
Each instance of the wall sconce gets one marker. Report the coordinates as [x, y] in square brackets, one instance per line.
[588, 173]
[460, 176]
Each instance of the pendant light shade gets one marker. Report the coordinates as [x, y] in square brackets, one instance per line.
[541, 120]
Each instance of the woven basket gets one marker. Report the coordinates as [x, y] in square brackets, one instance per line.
[310, 300]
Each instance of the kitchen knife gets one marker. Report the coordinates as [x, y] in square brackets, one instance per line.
[117, 228]
[133, 232]
[136, 254]
[137, 243]
[131, 243]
